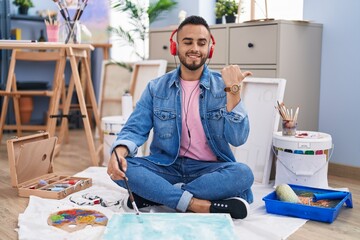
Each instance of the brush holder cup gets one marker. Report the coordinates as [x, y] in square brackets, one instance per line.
[70, 32]
[289, 128]
[52, 32]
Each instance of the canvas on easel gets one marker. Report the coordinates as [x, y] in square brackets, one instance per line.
[260, 96]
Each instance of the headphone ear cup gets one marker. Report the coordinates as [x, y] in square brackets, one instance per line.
[211, 51]
[173, 48]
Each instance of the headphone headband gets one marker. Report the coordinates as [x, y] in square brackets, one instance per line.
[173, 45]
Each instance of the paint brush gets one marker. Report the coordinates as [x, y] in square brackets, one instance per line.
[62, 10]
[82, 7]
[79, 12]
[296, 114]
[65, 14]
[131, 196]
[63, 6]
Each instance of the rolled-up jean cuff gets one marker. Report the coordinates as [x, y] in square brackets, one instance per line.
[184, 201]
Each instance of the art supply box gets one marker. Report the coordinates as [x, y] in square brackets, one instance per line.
[302, 159]
[31, 168]
[318, 213]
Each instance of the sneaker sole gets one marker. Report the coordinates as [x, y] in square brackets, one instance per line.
[247, 207]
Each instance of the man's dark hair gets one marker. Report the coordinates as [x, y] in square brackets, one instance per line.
[194, 20]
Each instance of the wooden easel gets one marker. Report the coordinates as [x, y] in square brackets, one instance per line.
[73, 52]
[11, 90]
[75, 84]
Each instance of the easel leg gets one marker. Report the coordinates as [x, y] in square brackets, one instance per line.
[6, 98]
[16, 100]
[66, 108]
[66, 122]
[82, 104]
[55, 99]
[90, 91]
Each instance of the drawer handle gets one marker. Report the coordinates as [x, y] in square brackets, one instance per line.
[250, 45]
[165, 47]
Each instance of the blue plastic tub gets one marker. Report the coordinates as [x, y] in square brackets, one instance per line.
[317, 213]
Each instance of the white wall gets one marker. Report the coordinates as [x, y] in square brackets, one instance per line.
[204, 8]
[340, 75]
[277, 9]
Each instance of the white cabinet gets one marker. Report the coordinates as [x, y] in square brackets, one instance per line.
[281, 49]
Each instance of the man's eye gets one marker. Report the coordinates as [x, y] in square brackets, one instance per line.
[187, 43]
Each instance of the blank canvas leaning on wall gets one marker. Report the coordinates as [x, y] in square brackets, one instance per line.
[260, 96]
[115, 80]
[143, 72]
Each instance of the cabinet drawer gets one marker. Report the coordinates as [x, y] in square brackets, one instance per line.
[253, 44]
[160, 46]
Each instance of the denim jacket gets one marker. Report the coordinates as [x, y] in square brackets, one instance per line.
[160, 108]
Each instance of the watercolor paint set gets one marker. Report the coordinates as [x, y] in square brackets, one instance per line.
[316, 204]
[31, 168]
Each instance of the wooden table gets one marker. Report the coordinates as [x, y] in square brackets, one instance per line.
[75, 53]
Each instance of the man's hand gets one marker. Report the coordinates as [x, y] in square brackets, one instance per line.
[233, 75]
[113, 167]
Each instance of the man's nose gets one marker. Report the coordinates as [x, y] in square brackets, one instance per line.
[195, 48]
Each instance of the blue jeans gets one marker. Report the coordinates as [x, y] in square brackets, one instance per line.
[199, 179]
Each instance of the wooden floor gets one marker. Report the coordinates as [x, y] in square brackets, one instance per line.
[74, 157]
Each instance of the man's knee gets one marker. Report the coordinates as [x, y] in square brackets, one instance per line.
[244, 174]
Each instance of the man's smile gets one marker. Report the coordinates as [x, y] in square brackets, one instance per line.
[193, 55]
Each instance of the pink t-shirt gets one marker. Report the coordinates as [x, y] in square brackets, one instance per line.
[193, 140]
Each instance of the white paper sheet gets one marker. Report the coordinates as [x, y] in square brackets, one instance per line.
[33, 222]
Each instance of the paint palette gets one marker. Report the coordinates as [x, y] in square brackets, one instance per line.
[76, 219]
[179, 226]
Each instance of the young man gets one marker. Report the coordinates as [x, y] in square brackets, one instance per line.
[195, 114]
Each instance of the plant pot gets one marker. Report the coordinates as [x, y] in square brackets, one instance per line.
[26, 109]
[23, 10]
[230, 19]
[218, 20]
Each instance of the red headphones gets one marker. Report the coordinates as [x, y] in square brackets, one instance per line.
[173, 45]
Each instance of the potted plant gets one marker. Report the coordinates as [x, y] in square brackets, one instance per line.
[227, 8]
[219, 12]
[23, 5]
[139, 17]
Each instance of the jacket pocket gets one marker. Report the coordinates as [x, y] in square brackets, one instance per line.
[216, 122]
[164, 123]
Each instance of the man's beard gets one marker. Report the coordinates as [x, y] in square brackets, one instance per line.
[192, 66]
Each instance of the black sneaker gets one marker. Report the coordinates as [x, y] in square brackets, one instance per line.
[238, 208]
[141, 202]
